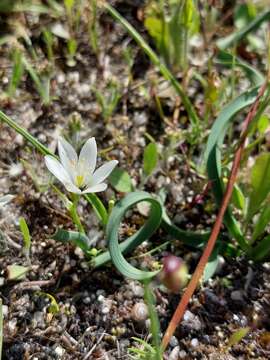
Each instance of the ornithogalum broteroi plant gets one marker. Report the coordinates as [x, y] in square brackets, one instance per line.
[77, 173]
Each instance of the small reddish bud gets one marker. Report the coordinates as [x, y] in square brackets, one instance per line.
[174, 273]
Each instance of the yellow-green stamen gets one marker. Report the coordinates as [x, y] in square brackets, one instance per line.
[79, 180]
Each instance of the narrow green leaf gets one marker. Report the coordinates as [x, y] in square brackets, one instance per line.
[154, 320]
[17, 72]
[154, 27]
[193, 239]
[263, 123]
[25, 134]
[244, 14]
[262, 222]
[211, 266]
[261, 251]
[149, 227]
[121, 180]
[228, 60]
[54, 307]
[26, 236]
[260, 173]
[237, 336]
[236, 36]
[69, 4]
[7, 6]
[74, 237]
[238, 198]
[98, 207]
[150, 158]
[212, 156]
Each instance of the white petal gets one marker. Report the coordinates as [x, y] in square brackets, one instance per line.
[87, 159]
[5, 199]
[68, 157]
[72, 188]
[103, 172]
[58, 170]
[95, 188]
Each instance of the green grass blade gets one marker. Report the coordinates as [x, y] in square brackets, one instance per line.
[17, 72]
[194, 119]
[236, 36]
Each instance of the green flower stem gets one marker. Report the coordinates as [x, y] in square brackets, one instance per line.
[74, 214]
[154, 321]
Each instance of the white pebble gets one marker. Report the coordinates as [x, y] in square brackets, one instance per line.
[59, 351]
[101, 298]
[174, 355]
[105, 310]
[182, 354]
[194, 342]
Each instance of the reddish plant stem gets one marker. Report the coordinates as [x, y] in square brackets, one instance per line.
[179, 312]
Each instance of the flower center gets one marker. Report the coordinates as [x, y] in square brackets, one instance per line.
[79, 180]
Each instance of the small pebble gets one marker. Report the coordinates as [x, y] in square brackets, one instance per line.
[59, 351]
[191, 321]
[105, 310]
[137, 289]
[100, 298]
[139, 312]
[194, 342]
[237, 295]
[87, 300]
[182, 354]
[12, 325]
[174, 355]
[38, 320]
[173, 341]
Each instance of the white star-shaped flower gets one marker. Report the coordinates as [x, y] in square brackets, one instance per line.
[78, 174]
